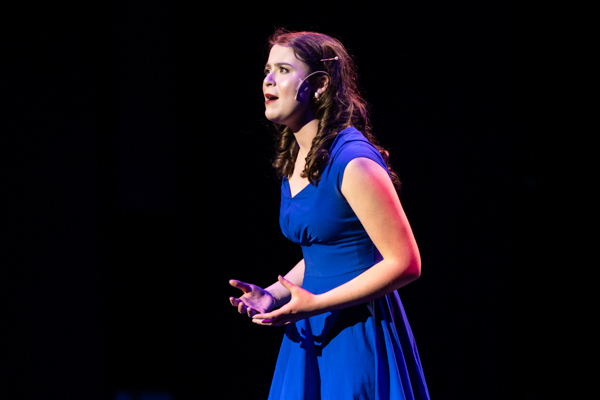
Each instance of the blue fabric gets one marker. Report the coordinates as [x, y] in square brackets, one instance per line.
[363, 352]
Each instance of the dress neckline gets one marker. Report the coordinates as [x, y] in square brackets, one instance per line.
[302, 192]
[289, 189]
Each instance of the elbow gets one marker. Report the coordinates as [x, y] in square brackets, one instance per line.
[411, 271]
[406, 269]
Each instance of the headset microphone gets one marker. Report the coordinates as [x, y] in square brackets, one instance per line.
[302, 81]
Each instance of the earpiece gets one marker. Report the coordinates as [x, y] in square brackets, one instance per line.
[307, 76]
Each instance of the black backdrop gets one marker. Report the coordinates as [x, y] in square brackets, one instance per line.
[138, 162]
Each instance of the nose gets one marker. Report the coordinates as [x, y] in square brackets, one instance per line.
[269, 81]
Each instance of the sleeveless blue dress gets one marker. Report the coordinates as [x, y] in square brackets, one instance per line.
[362, 352]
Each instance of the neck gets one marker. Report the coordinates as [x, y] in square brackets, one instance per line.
[305, 135]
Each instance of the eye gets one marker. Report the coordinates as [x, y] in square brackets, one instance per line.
[266, 71]
[283, 70]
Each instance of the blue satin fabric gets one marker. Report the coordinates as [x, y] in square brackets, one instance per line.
[363, 352]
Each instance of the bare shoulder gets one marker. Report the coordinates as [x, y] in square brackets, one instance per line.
[365, 175]
[368, 189]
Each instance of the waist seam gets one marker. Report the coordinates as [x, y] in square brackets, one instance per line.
[331, 276]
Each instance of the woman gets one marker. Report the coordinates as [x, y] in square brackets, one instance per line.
[347, 336]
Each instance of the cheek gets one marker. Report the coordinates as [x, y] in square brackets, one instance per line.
[288, 85]
[285, 85]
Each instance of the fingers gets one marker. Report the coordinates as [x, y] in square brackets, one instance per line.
[244, 287]
[270, 316]
[242, 308]
[276, 321]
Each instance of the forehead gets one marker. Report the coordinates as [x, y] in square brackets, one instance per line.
[284, 54]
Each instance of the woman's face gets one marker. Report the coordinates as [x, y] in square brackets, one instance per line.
[283, 76]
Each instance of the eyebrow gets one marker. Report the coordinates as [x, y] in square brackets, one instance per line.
[279, 64]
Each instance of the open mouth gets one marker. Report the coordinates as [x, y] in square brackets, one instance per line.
[270, 98]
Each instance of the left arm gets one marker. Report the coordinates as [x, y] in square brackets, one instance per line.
[369, 191]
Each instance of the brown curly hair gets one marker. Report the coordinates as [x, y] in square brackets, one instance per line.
[340, 106]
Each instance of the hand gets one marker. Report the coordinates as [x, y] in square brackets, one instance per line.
[255, 300]
[303, 304]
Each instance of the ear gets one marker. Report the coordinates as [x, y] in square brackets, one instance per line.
[322, 83]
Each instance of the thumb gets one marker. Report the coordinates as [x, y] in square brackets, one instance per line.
[244, 287]
[286, 284]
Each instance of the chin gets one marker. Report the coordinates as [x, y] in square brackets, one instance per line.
[272, 118]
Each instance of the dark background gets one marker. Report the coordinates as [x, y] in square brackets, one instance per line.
[138, 170]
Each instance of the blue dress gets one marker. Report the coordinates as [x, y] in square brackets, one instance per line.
[362, 352]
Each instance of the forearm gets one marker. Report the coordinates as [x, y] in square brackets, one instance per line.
[369, 191]
[280, 294]
[379, 280]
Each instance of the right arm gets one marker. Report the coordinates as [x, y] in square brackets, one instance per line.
[256, 300]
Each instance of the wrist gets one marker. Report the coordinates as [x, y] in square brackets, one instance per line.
[275, 299]
[273, 295]
[320, 303]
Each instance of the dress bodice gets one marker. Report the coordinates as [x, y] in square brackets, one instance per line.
[319, 218]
